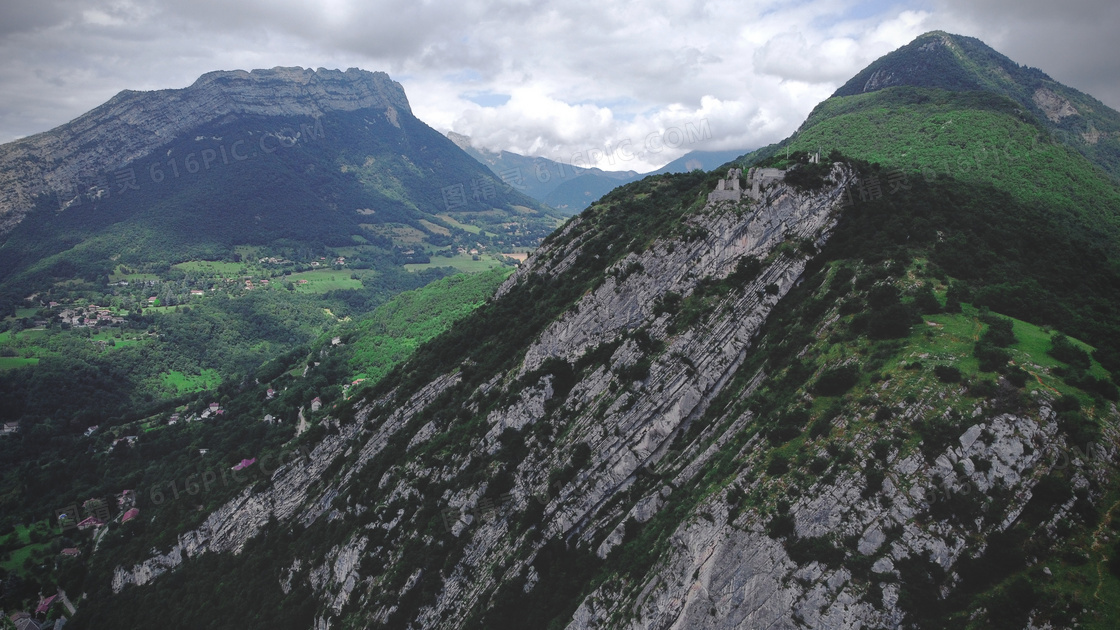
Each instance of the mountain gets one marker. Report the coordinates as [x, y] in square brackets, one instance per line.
[702, 160]
[965, 64]
[260, 158]
[566, 187]
[189, 239]
[832, 390]
[949, 118]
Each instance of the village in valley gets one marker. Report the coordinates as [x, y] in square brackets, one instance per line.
[125, 314]
[72, 534]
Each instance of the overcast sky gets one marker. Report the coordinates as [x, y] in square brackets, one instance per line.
[535, 76]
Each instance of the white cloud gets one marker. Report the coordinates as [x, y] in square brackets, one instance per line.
[581, 75]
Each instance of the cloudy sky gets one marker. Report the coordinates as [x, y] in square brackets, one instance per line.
[537, 77]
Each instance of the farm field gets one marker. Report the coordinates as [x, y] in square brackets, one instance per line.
[322, 280]
[185, 383]
[462, 262]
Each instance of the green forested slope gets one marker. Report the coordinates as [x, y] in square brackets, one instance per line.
[962, 64]
[974, 138]
[390, 334]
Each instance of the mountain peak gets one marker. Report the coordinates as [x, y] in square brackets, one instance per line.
[324, 88]
[461, 141]
[944, 60]
[956, 63]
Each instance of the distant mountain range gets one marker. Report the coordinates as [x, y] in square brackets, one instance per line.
[569, 188]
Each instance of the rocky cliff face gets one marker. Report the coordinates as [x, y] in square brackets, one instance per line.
[134, 124]
[623, 418]
[725, 571]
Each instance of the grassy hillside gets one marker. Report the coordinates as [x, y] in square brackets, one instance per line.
[974, 138]
[956, 63]
[389, 335]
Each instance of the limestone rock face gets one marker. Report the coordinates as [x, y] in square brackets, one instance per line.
[132, 125]
[608, 452]
[634, 432]
[290, 496]
[1054, 106]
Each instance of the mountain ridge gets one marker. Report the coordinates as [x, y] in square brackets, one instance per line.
[123, 130]
[570, 188]
[548, 180]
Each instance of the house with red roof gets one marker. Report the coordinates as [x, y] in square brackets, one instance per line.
[245, 463]
[92, 521]
[130, 514]
[45, 604]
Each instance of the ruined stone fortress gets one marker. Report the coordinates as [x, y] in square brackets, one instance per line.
[757, 178]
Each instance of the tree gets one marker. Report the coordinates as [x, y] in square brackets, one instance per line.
[836, 381]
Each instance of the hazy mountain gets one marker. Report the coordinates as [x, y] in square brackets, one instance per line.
[571, 189]
[878, 390]
[702, 160]
[565, 187]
